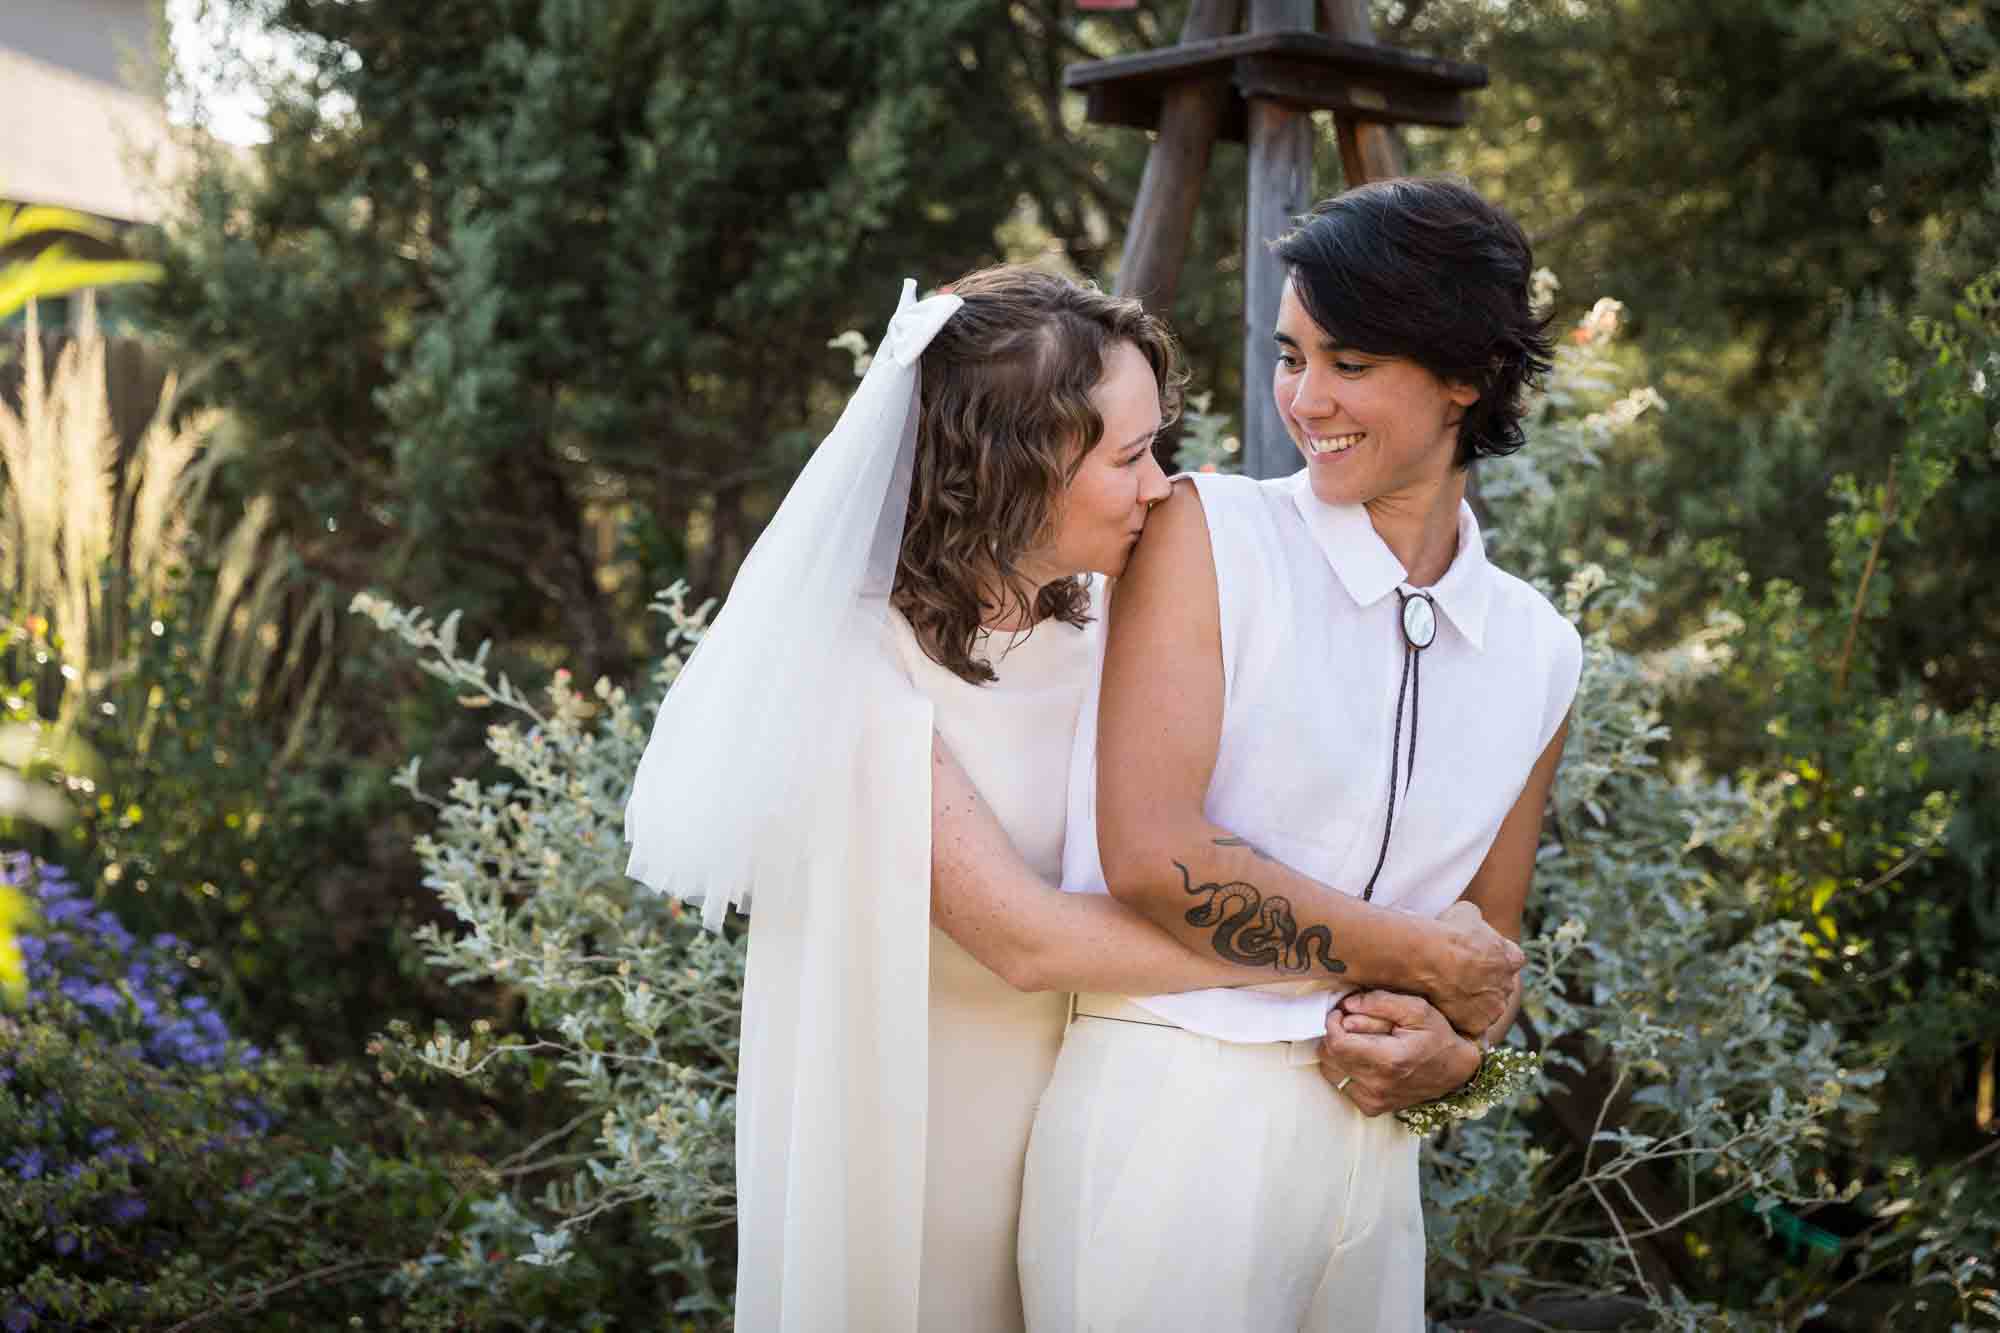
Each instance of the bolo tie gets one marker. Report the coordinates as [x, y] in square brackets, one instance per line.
[1420, 627]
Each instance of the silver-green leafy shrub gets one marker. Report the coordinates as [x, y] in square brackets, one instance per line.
[1650, 990]
[1683, 1074]
[625, 1003]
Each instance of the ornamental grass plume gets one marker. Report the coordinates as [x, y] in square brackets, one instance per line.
[95, 542]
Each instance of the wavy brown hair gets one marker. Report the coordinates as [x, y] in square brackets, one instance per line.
[1004, 422]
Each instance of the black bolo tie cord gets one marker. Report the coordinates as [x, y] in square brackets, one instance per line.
[1412, 677]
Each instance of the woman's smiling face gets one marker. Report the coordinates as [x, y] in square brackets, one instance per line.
[1367, 426]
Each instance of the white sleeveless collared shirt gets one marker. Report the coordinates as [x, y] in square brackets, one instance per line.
[1312, 662]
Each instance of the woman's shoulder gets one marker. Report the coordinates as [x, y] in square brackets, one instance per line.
[1230, 500]
[1546, 657]
[1232, 489]
[1548, 633]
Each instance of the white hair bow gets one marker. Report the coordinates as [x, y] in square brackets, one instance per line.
[917, 322]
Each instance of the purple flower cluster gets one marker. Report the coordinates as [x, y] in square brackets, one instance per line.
[137, 996]
[84, 953]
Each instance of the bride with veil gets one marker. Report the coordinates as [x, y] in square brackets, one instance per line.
[869, 753]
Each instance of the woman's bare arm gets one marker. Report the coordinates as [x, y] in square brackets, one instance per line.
[1396, 1050]
[1159, 727]
[1499, 888]
[1030, 933]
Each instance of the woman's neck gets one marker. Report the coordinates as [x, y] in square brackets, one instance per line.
[1001, 614]
[1419, 525]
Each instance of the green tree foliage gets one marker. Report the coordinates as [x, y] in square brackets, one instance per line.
[1746, 167]
[1750, 175]
[1879, 809]
[1845, 832]
[547, 267]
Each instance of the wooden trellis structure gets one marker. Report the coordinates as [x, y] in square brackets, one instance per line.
[1259, 82]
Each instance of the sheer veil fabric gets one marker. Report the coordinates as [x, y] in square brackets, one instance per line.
[788, 774]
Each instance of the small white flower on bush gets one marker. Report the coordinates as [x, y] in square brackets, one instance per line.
[1665, 1011]
[627, 1004]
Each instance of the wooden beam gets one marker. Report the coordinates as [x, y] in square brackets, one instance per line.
[1156, 239]
[1306, 68]
[1383, 64]
[1280, 188]
[1308, 85]
[1369, 149]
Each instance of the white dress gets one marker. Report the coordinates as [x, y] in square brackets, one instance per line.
[888, 1081]
[992, 1047]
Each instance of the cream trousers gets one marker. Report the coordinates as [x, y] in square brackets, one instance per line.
[1176, 1182]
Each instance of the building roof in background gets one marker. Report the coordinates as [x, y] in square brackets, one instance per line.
[80, 143]
[112, 41]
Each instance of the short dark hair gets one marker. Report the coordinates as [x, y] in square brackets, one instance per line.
[1424, 268]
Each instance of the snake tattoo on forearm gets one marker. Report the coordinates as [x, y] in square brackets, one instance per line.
[1257, 931]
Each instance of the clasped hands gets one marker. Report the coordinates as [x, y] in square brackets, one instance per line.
[1386, 1050]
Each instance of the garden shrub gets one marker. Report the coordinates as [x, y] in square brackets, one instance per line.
[1712, 1028]
[198, 821]
[164, 660]
[126, 1108]
[623, 1000]
[156, 1168]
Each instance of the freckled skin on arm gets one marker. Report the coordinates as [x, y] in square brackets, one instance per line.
[1028, 931]
[1159, 726]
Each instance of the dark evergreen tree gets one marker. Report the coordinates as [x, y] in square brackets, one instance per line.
[1747, 177]
[512, 279]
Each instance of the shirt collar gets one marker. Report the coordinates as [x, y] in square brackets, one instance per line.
[1370, 571]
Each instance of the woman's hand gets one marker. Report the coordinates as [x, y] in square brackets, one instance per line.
[1385, 1051]
[1472, 984]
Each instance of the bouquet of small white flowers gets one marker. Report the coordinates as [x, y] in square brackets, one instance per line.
[1504, 1073]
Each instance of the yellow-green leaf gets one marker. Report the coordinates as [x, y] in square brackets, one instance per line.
[55, 272]
[41, 219]
[15, 912]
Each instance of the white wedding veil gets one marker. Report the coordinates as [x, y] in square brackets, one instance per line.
[789, 774]
[749, 749]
